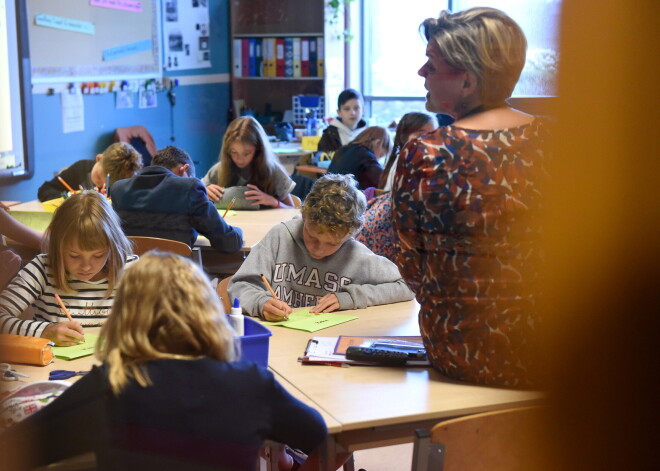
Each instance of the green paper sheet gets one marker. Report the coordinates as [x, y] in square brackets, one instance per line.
[311, 322]
[36, 220]
[77, 351]
[230, 213]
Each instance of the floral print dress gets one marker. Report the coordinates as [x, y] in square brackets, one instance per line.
[465, 209]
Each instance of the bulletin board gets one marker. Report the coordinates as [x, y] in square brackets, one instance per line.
[91, 40]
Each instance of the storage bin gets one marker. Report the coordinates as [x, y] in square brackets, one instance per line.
[254, 344]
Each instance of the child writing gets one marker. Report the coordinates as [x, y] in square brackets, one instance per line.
[376, 232]
[86, 252]
[360, 157]
[246, 159]
[119, 160]
[168, 395]
[313, 260]
[348, 123]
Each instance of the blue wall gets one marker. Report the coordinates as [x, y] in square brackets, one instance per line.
[200, 119]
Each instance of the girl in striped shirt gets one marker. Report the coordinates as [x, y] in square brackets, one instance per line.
[86, 252]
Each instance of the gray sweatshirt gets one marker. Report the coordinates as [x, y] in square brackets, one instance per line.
[354, 273]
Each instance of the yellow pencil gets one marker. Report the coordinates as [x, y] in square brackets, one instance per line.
[65, 184]
[66, 311]
[231, 203]
[270, 288]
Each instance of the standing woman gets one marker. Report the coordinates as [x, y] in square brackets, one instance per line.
[466, 199]
[246, 159]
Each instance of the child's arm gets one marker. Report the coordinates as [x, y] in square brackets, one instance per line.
[19, 232]
[74, 175]
[258, 197]
[210, 180]
[29, 285]
[247, 285]
[207, 221]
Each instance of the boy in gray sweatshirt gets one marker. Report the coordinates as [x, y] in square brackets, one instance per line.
[313, 261]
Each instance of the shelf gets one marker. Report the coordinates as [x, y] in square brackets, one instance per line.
[279, 35]
[278, 78]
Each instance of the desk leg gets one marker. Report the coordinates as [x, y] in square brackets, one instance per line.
[328, 452]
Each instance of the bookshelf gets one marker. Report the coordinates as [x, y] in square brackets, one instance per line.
[275, 37]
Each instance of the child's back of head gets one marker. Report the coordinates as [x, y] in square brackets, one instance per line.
[120, 160]
[171, 156]
[335, 205]
[165, 307]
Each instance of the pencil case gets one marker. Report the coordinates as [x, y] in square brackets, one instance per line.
[28, 350]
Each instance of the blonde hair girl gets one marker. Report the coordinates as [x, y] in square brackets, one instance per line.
[120, 160]
[246, 159]
[168, 395]
[86, 253]
[165, 307]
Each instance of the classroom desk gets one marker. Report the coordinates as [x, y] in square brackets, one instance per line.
[255, 224]
[380, 406]
[314, 170]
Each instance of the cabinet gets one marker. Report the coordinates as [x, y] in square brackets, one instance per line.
[265, 30]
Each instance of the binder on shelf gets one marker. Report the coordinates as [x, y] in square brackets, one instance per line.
[269, 57]
[238, 53]
[304, 57]
[320, 58]
[253, 58]
[312, 58]
[259, 58]
[279, 57]
[296, 57]
[245, 57]
[288, 57]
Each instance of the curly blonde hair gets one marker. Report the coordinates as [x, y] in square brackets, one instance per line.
[484, 41]
[165, 307]
[335, 205]
[88, 218]
[120, 160]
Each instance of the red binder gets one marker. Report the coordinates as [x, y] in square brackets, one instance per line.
[279, 57]
[245, 57]
[304, 57]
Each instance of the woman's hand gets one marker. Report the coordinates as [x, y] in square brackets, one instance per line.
[327, 303]
[259, 197]
[215, 192]
[276, 310]
[64, 334]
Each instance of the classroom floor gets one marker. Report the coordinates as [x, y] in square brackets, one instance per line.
[389, 458]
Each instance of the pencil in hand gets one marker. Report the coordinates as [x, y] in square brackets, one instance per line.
[231, 203]
[270, 288]
[66, 311]
[63, 182]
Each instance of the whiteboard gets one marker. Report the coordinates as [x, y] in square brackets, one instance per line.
[16, 143]
[80, 40]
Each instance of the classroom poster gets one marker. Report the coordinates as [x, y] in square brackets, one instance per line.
[186, 34]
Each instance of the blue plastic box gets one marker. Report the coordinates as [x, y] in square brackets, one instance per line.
[254, 344]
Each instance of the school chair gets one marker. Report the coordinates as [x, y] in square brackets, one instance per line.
[496, 441]
[142, 245]
[224, 294]
[140, 139]
[297, 203]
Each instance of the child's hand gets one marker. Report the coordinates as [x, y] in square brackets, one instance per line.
[64, 334]
[259, 197]
[276, 310]
[215, 192]
[327, 303]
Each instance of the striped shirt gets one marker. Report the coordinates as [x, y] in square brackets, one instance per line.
[34, 286]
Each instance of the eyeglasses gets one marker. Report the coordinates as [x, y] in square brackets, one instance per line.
[8, 374]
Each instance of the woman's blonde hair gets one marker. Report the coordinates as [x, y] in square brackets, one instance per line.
[88, 219]
[121, 160]
[372, 136]
[164, 307]
[335, 205]
[484, 41]
[247, 130]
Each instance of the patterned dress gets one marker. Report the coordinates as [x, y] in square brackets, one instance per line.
[465, 207]
[376, 232]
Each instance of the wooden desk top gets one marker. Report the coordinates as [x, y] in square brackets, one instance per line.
[368, 399]
[255, 224]
[311, 169]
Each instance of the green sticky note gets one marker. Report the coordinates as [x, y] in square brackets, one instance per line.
[77, 351]
[311, 322]
[36, 220]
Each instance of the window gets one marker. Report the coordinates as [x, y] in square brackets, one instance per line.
[393, 50]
